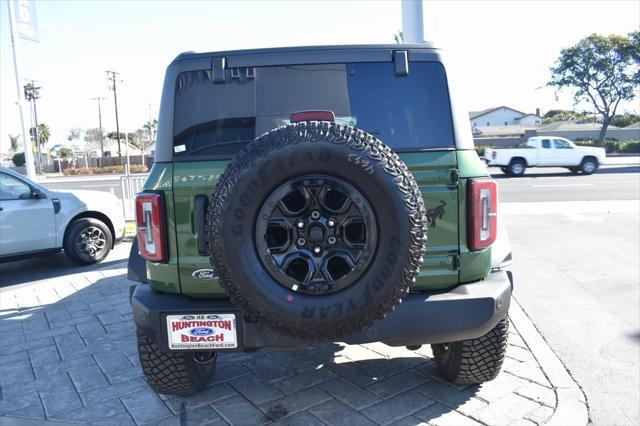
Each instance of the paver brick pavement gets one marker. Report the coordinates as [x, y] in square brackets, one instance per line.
[68, 354]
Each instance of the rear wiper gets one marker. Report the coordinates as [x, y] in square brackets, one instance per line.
[202, 148]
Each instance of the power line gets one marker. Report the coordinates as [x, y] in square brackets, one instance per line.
[112, 77]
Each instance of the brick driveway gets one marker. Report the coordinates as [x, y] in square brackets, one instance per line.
[68, 354]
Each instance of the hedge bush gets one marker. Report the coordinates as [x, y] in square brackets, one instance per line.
[613, 146]
[18, 159]
[134, 168]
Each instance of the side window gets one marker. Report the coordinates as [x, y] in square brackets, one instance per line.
[546, 143]
[13, 189]
[560, 144]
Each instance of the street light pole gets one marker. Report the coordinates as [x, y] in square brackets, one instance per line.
[112, 76]
[412, 21]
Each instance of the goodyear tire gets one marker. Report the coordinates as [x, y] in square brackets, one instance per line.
[175, 373]
[474, 360]
[316, 230]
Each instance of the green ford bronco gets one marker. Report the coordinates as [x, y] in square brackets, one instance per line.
[318, 194]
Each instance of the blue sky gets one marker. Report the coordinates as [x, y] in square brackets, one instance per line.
[504, 48]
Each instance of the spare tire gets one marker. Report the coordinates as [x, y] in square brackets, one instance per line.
[316, 230]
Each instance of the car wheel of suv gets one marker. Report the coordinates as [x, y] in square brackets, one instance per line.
[516, 168]
[87, 241]
[316, 230]
[175, 373]
[589, 166]
[474, 360]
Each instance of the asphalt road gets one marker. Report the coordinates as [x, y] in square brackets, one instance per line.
[93, 183]
[556, 184]
[576, 245]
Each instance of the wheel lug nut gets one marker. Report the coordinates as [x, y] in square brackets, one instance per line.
[317, 250]
[300, 224]
[332, 240]
[315, 214]
[330, 223]
[301, 241]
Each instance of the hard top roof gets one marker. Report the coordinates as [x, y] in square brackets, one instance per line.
[273, 50]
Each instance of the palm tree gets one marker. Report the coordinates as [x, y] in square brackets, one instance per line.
[151, 126]
[43, 133]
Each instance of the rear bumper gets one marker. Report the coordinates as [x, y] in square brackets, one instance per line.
[465, 312]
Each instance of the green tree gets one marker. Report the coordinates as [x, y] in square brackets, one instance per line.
[603, 70]
[65, 153]
[43, 133]
[14, 143]
[123, 136]
[567, 115]
[18, 159]
[74, 134]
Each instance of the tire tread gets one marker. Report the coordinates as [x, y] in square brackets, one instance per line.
[172, 373]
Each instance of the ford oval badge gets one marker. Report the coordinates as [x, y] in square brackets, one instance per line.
[203, 274]
[201, 331]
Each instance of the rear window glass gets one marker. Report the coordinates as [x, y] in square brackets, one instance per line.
[407, 113]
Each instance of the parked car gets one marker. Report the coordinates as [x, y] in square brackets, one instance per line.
[546, 151]
[289, 203]
[35, 220]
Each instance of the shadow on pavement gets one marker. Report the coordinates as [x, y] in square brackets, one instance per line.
[42, 267]
[609, 170]
[69, 352]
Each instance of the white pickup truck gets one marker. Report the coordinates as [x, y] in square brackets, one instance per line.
[546, 151]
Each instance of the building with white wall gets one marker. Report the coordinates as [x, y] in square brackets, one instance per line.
[502, 116]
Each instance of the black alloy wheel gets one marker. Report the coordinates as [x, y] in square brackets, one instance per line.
[316, 234]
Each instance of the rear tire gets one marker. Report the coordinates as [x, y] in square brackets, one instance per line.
[473, 361]
[589, 165]
[87, 241]
[175, 373]
[516, 168]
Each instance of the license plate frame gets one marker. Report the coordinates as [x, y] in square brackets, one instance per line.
[208, 331]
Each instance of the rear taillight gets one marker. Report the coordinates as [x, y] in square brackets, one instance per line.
[493, 154]
[151, 227]
[483, 220]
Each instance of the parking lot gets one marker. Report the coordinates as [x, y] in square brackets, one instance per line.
[69, 354]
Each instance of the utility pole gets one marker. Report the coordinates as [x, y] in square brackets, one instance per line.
[32, 93]
[100, 127]
[112, 77]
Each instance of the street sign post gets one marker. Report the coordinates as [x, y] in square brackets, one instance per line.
[26, 11]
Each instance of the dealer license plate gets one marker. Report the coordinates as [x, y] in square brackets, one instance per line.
[202, 331]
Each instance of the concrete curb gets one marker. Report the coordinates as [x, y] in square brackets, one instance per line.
[571, 404]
